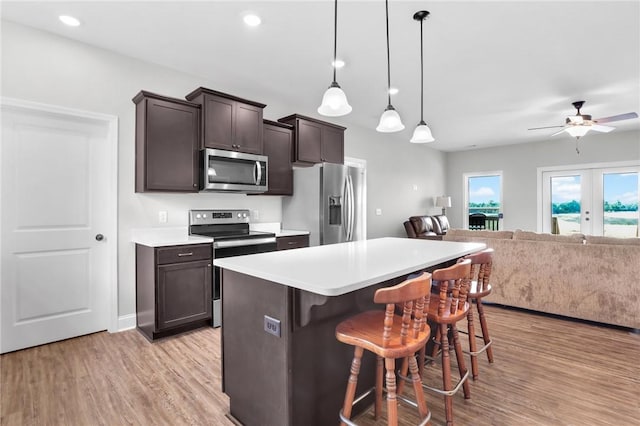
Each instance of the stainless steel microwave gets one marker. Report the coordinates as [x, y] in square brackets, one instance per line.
[231, 171]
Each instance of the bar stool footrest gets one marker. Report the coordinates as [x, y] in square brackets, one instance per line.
[451, 392]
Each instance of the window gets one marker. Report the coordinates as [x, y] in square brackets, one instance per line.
[593, 200]
[483, 200]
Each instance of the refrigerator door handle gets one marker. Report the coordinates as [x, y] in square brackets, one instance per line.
[352, 200]
[345, 207]
[349, 208]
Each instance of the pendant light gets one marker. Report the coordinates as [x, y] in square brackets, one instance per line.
[334, 101]
[422, 133]
[390, 120]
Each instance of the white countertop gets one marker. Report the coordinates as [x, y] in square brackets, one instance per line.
[159, 237]
[336, 269]
[275, 228]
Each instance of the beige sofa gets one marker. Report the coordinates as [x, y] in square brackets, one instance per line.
[587, 277]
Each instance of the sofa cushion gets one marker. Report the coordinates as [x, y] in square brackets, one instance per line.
[466, 233]
[592, 239]
[534, 236]
[440, 224]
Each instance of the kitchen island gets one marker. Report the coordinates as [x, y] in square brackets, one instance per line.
[281, 362]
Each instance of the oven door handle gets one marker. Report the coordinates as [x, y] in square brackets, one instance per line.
[245, 242]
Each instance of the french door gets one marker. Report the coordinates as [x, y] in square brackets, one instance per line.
[599, 200]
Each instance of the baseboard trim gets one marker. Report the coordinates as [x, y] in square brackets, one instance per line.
[126, 322]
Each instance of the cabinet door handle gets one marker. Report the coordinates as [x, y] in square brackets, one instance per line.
[291, 243]
[185, 254]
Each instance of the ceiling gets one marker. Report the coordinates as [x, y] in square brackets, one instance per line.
[493, 69]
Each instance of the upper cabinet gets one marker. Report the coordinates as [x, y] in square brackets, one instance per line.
[229, 122]
[278, 145]
[316, 141]
[167, 140]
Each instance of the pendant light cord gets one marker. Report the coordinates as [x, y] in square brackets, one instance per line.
[335, 38]
[388, 57]
[421, 75]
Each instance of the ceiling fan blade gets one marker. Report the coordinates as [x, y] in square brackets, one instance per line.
[599, 128]
[557, 133]
[619, 117]
[547, 127]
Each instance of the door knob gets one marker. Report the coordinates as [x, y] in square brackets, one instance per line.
[99, 237]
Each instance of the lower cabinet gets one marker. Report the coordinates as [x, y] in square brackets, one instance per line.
[292, 242]
[173, 288]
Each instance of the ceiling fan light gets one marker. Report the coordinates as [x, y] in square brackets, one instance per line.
[390, 121]
[575, 119]
[334, 102]
[422, 134]
[577, 131]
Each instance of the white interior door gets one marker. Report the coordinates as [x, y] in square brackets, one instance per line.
[56, 228]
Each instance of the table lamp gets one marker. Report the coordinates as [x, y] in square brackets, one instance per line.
[443, 202]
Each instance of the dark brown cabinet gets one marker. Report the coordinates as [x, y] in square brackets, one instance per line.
[278, 145]
[173, 288]
[292, 242]
[167, 141]
[316, 141]
[229, 122]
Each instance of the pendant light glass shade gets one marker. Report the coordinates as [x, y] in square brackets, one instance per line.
[422, 134]
[390, 121]
[334, 101]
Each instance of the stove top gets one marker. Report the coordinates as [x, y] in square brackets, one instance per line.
[224, 225]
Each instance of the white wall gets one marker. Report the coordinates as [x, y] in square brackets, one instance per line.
[519, 165]
[45, 68]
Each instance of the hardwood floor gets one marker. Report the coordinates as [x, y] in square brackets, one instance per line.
[547, 371]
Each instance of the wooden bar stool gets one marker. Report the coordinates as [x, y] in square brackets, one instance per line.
[389, 336]
[446, 311]
[479, 287]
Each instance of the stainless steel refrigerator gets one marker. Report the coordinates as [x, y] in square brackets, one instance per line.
[329, 201]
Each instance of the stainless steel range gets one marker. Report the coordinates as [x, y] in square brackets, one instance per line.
[231, 237]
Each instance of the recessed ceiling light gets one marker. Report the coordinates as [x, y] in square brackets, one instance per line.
[338, 63]
[252, 20]
[393, 90]
[69, 20]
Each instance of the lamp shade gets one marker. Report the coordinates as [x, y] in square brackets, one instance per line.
[390, 121]
[334, 102]
[577, 131]
[422, 134]
[443, 201]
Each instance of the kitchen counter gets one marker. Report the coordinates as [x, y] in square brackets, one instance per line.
[285, 306]
[275, 228]
[161, 237]
[336, 269]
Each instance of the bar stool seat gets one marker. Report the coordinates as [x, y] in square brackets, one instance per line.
[389, 336]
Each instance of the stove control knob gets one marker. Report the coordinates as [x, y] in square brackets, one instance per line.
[204, 215]
[198, 216]
[239, 215]
[244, 215]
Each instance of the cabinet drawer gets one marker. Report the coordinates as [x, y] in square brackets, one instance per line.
[295, 241]
[186, 253]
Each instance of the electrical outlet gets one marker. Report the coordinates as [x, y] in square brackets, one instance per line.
[378, 212]
[255, 214]
[415, 187]
[272, 325]
[162, 216]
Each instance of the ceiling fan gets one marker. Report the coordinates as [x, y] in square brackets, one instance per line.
[578, 125]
